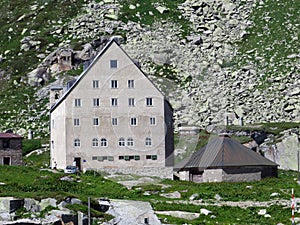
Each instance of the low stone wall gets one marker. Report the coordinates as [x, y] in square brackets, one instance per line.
[164, 172]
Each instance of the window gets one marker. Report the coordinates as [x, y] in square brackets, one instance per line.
[137, 157]
[110, 158]
[77, 102]
[114, 121]
[95, 83]
[76, 142]
[113, 63]
[114, 84]
[95, 142]
[130, 142]
[96, 102]
[103, 142]
[133, 121]
[153, 157]
[131, 101]
[148, 141]
[130, 83]
[96, 121]
[121, 142]
[76, 122]
[6, 143]
[149, 101]
[152, 120]
[114, 102]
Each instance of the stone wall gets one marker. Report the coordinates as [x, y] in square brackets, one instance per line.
[15, 157]
[164, 172]
[219, 175]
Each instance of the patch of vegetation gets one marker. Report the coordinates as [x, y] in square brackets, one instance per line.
[29, 145]
[272, 37]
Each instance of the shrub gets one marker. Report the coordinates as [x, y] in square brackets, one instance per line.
[30, 145]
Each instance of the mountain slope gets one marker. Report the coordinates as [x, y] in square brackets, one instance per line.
[213, 59]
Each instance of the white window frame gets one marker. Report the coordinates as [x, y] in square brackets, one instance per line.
[76, 122]
[114, 121]
[121, 142]
[77, 102]
[133, 121]
[130, 84]
[103, 142]
[131, 102]
[96, 102]
[95, 142]
[76, 142]
[96, 121]
[114, 84]
[95, 84]
[114, 102]
[149, 101]
[130, 141]
[148, 141]
[152, 121]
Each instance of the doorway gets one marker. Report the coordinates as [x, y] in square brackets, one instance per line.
[6, 160]
[78, 162]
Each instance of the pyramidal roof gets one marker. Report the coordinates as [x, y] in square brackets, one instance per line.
[223, 151]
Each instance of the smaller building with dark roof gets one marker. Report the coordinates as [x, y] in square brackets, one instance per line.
[10, 149]
[225, 159]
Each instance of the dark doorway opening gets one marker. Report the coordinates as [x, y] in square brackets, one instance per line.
[78, 162]
[6, 161]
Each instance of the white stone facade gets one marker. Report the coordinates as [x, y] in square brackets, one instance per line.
[112, 117]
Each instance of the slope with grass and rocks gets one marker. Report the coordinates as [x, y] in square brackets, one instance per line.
[212, 59]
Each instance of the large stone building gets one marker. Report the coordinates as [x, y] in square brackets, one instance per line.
[111, 117]
[10, 149]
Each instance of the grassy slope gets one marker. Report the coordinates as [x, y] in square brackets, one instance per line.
[17, 99]
[35, 183]
[273, 36]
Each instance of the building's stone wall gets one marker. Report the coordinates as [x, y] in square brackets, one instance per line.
[14, 143]
[163, 172]
[15, 157]
[219, 175]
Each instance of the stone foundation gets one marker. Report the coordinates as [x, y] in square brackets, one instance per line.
[164, 172]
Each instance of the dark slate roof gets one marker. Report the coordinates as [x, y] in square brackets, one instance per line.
[222, 151]
[9, 135]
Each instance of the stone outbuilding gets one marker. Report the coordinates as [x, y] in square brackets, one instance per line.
[10, 149]
[225, 159]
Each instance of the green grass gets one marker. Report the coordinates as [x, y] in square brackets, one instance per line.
[31, 182]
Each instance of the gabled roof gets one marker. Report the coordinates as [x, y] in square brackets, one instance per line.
[222, 151]
[90, 66]
[9, 135]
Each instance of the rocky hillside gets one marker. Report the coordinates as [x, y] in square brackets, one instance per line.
[237, 59]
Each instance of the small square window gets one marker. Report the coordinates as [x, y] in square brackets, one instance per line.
[96, 102]
[113, 64]
[96, 121]
[95, 83]
[130, 101]
[114, 84]
[77, 102]
[114, 121]
[130, 83]
[114, 102]
[76, 122]
[95, 158]
[121, 157]
[148, 141]
[149, 102]
[137, 157]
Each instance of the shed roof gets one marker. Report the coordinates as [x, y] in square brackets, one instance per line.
[9, 135]
[223, 151]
